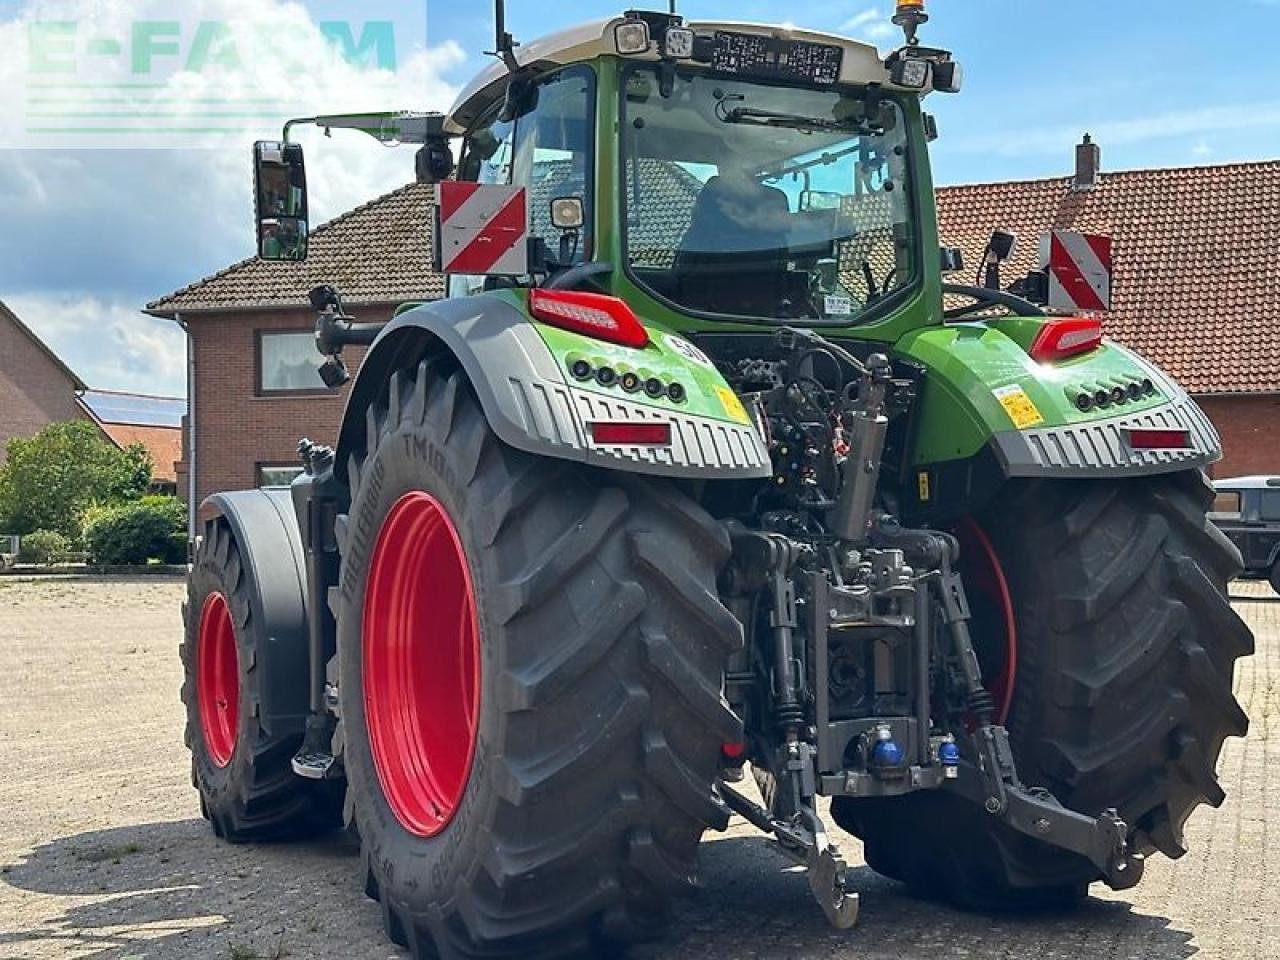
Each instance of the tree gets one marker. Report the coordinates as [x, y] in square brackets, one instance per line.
[51, 479]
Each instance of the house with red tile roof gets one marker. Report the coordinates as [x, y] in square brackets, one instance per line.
[1196, 289]
[155, 422]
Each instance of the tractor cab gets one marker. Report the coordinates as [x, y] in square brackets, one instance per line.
[757, 174]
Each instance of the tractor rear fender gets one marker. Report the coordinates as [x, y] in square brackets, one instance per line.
[265, 528]
[533, 405]
[989, 413]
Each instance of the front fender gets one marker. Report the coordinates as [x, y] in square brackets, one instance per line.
[265, 528]
[533, 405]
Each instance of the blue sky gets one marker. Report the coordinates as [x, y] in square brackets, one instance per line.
[88, 236]
[1159, 83]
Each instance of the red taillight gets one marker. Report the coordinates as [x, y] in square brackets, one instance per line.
[594, 314]
[1060, 339]
[644, 434]
[1159, 439]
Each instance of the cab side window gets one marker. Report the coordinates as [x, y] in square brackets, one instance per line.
[549, 149]
[554, 152]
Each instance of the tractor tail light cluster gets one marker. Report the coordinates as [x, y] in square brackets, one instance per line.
[1062, 339]
[592, 314]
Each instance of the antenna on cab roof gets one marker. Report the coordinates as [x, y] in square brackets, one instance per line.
[505, 48]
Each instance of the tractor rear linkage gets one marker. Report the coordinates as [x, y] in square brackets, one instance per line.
[874, 577]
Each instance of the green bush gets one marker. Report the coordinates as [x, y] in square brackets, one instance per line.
[45, 547]
[49, 480]
[132, 534]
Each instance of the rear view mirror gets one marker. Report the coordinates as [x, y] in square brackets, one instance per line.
[280, 200]
[820, 200]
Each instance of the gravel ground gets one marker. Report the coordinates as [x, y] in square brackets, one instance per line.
[103, 853]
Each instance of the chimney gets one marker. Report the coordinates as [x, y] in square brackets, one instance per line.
[1088, 164]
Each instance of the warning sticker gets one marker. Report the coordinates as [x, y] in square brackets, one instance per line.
[732, 405]
[837, 306]
[1020, 407]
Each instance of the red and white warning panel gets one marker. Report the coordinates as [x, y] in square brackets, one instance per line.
[1080, 267]
[482, 229]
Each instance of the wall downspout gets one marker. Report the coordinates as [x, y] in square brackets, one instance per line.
[191, 431]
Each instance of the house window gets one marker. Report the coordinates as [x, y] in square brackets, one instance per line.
[288, 363]
[277, 474]
[1227, 503]
[1271, 505]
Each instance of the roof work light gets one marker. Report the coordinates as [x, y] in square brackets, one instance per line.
[632, 37]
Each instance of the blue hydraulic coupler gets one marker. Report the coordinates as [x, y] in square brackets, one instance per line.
[887, 753]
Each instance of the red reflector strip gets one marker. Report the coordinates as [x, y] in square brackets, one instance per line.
[632, 434]
[1159, 439]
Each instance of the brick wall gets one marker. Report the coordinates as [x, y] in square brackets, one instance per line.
[34, 391]
[236, 430]
[1250, 429]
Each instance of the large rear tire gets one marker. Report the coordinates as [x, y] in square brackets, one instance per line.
[248, 790]
[566, 766]
[1126, 646]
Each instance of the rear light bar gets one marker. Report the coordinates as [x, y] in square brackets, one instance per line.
[592, 314]
[627, 433]
[1069, 337]
[1143, 439]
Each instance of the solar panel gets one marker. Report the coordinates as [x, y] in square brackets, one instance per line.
[135, 410]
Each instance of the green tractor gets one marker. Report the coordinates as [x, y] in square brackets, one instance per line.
[701, 471]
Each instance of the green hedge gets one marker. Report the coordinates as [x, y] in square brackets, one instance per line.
[136, 533]
[44, 547]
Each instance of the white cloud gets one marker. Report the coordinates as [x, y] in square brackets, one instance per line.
[1201, 148]
[1200, 122]
[872, 25]
[106, 342]
[88, 236]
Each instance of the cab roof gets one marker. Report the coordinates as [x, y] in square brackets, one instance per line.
[587, 41]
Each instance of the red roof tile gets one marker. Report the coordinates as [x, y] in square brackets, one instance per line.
[380, 252]
[1197, 260]
[163, 443]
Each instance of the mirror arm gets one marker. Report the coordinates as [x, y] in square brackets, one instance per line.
[335, 331]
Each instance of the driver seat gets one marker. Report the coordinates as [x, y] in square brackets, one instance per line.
[734, 257]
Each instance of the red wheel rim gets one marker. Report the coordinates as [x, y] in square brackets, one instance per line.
[421, 649]
[992, 602]
[218, 679]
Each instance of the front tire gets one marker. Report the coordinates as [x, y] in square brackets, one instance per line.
[248, 790]
[595, 722]
[1126, 648]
